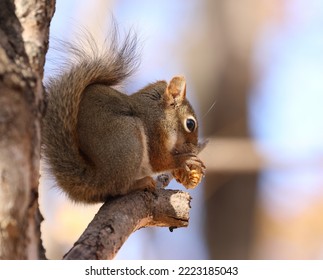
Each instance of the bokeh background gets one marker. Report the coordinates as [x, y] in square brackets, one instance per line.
[254, 71]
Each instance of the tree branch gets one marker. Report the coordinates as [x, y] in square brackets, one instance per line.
[121, 216]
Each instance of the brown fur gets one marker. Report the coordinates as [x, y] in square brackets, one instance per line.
[93, 134]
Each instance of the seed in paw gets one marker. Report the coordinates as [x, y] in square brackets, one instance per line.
[189, 179]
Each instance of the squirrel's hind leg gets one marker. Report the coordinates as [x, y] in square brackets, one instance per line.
[146, 183]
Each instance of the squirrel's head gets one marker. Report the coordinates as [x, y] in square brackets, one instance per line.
[170, 122]
[180, 118]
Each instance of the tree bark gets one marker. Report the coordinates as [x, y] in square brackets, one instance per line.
[23, 44]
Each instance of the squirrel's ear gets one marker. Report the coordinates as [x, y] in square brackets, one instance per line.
[176, 91]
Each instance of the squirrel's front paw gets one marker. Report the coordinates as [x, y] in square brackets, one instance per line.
[191, 174]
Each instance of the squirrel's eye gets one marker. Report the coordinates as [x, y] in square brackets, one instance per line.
[190, 124]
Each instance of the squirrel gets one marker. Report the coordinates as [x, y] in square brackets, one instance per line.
[100, 142]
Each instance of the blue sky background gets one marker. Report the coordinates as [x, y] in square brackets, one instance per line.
[286, 108]
[285, 105]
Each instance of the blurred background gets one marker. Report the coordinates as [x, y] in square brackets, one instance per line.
[254, 71]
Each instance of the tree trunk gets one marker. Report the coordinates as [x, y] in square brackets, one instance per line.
[23, 40]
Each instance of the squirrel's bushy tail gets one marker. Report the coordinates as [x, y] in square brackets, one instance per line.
[86, 63]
